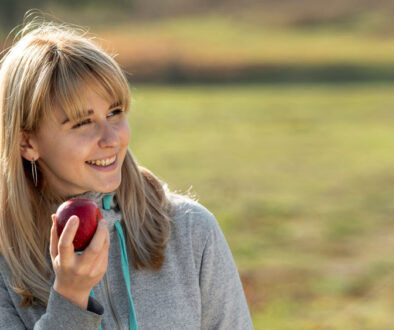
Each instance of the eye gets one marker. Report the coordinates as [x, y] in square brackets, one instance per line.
[81, 123]
[115, 112]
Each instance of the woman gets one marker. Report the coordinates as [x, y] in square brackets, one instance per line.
[158, 261]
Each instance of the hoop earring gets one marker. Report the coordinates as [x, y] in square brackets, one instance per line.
[34, 172]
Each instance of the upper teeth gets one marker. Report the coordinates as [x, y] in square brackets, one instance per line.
[102, 162]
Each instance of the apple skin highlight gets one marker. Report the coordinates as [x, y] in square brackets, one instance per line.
[89, 215]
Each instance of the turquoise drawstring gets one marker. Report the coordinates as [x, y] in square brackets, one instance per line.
[126, 276]
[125, 265]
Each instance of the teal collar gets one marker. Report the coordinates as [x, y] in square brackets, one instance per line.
[106, 201]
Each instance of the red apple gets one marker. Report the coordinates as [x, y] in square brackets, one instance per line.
[89, 215]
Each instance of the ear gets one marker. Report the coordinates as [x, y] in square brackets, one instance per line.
[28, 146]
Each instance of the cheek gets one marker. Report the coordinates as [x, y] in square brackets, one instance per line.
[65, 151]
[63, 156]
[124, 133]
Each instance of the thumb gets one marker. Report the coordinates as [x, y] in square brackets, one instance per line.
[66, 246]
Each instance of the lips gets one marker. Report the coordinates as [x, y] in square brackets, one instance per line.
[103, 161]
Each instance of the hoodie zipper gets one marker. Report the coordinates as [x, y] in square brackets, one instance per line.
[107, 291]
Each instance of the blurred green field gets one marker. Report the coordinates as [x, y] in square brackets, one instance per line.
[300, 178]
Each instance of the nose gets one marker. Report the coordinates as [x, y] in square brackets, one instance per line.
[109, 137]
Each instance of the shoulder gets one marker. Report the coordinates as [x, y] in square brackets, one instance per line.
[191, 216]
[188, 209]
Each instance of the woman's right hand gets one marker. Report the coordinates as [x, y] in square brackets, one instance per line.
[76, 274]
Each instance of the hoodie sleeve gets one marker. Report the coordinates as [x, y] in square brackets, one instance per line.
[223, 300]
[63, 314]
[60, 313]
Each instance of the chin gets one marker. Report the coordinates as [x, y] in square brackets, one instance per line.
[107, 188]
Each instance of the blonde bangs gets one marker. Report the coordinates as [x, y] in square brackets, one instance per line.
[71, 78]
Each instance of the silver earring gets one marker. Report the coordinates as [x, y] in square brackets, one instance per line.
[34, 172]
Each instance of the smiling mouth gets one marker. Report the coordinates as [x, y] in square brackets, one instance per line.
[102, 162]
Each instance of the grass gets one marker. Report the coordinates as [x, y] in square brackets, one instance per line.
[300, 178]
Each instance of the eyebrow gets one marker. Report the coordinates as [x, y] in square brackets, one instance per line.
[90, 111]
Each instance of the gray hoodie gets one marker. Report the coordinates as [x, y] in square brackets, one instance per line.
[198, 286]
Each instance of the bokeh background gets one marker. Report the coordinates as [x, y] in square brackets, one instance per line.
[277, 115]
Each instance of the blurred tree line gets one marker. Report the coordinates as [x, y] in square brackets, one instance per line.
[13, 11]
[102, 12]
[283, 12]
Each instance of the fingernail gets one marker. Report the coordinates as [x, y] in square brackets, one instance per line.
[103, 223]
[73, 220]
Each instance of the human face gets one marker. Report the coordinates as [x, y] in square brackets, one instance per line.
[71, 153]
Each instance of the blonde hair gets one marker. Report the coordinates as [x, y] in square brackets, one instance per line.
[47, 66]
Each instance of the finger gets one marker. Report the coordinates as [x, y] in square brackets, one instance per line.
[101, 263]
[66, 246]
[97, 243]
[53, 239]
[100, 267]
[107, 239]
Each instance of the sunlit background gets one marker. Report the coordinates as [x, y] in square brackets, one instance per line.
[277, 115]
